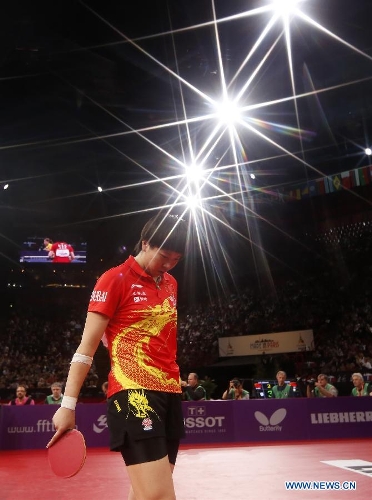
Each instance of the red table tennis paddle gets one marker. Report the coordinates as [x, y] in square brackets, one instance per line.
[67, 455]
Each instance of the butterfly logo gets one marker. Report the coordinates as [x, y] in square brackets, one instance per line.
[275, 419]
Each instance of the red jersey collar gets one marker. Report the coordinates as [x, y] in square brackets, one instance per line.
[133, 264]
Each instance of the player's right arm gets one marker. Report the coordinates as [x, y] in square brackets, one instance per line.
[95, 326]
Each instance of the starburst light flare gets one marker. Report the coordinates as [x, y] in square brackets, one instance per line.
[285, 7]
[228, 112]
[220, 125]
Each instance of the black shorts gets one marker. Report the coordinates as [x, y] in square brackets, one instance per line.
[145, 425]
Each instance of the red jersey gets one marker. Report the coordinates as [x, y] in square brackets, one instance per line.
[62, 252]
[27, 400]
[142, 331]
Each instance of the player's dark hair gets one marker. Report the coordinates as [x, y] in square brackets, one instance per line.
[164, 231]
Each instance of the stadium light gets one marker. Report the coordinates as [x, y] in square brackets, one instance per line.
[285, 7]
[194, 173]
[368, 151]
[193, 202]
[228, 112]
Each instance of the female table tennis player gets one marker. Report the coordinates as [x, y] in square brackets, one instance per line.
[134, 306]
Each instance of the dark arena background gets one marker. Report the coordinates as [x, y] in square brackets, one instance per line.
[253, 121]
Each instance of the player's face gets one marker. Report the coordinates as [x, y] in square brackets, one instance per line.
[158, 261]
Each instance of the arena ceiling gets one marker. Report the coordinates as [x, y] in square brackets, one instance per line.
[132, 97]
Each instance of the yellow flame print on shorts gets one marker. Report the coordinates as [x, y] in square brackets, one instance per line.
[138, 404]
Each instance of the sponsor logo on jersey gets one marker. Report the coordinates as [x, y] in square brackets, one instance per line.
[98, 296]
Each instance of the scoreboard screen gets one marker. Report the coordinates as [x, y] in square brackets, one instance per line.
[37, 250]
[263, 389]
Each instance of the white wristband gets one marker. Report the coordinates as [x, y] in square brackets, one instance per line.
[82, 358]
[69, 402]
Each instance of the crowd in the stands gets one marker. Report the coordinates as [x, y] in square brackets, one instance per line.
[36, 346]
[333, 297]
[36, 349]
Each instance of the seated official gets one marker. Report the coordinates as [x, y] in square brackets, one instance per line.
[361, 388]
[104, 388]
[282, 390]
[192, 389]
[235, 391]
[56, 397]
[22, 399]
[321, 388]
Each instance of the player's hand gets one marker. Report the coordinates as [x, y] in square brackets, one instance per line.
[63, 420]
[183, 384]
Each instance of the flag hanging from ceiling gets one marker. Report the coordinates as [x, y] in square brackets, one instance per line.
[346, 180]
[334, 183]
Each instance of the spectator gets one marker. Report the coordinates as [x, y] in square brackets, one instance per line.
[105, 388]
[22, 399]
[282, 390]
[56, 397]
[192, 389]
[361, 388]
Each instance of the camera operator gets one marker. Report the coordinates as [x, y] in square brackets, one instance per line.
[282, 390]
[235, 391]
[321, 388]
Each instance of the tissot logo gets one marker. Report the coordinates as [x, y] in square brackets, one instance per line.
[196, 410]
[198, 422]
[272, 424]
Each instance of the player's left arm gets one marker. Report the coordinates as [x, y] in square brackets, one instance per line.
[72, 254]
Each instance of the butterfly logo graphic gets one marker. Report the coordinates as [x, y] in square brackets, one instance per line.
[275, 419]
